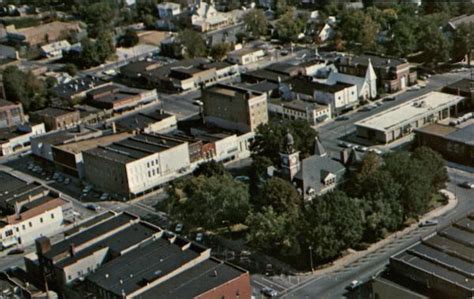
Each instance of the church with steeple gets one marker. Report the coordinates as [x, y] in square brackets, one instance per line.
[311, 176]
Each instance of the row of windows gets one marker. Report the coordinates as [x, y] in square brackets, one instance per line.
[152, 163]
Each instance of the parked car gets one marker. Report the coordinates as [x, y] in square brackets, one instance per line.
[344, 117]
[389, 99]
[269, 292]
[93, 207]
[199, 237]
[104, 196]
[178, 228]
[428, 223]
[376, 150]
[16, 251]
[67, 181]
[362, 149]
[354, 284]
[345, 144]
[468, 185]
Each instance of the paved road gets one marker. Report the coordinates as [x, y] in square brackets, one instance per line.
[333, 285]
[332, 132]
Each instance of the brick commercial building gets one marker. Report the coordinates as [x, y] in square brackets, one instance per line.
[234, 108]
[119, 97]
[401, 120]
[454, 143]
[393, 74]
[11, 114]
[56, 118]
[439, 266]
[120, 256]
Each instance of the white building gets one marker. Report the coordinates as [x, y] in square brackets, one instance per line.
[401, 120]
[137, 164]
[245, 56]
[366, 86]
[41, 217]
[16, 139]
[296, 109]
[340, 96]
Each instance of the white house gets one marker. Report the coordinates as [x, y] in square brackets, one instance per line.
[55, 50]
[205, 17]
[168, 10]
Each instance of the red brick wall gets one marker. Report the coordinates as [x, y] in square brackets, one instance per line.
[238, 288]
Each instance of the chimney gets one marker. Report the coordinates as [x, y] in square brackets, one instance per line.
[344, 156]
[114, 128]
[17, 210]
[72, 249]
[43, 245]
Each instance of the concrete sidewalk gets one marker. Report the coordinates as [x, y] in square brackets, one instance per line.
[352, 257]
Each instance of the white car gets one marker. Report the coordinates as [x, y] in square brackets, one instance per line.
[179, 228]
[104, 196]
[376, 150]
[354, 284]
[199, 237]
[468, 185]
[428, 223]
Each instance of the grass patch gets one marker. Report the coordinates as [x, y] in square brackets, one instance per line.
[22, 22]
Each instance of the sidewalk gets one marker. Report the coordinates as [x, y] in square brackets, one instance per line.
[340, 263]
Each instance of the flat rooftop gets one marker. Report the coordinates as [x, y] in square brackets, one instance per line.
[90, 234]
[448, 255]
[84, 145]
[54, 111]
[463, 133]
[199, 279]
[141, 120]
[145, 264]
[232, 90]
[409, 111]
[136, 147]
[9, 183]
[77, 86]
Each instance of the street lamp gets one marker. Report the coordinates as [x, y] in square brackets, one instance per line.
[311, 257]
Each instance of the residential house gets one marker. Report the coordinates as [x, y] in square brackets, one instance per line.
[206, 18]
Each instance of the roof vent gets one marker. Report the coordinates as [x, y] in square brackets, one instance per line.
[121, 281]
[106, 275]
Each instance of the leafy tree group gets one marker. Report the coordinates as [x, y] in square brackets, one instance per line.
[269, 138]
[93, 52]
[25, 88]
[256, 23]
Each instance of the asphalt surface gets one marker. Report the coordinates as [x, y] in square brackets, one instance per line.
[334, 285]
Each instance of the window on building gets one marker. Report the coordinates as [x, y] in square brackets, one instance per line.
[17, 229]
[149, 174]
[23, 227]
[8, 233]
[41, 219]
[30, 224]
[52, 216]
[69, 277]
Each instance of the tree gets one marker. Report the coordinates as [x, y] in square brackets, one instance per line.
[331, 224]
[104, 46]
[193, 43]
[99, 17]
[129, 39]
[89, 56]
[434, 164]
[256, 23]
[403, 40]
[272, 232]
[25, 88]
[288, 28]
[359, 30]
[71, 69]
[435, 46]
[210, 168]
[269, 138]
[219, 51]
[210, 201]
[280, 195]
[463, 42]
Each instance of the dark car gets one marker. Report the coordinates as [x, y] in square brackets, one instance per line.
[16, 251]
[269, 292]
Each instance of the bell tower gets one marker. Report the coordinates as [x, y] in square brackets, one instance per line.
[290, 158]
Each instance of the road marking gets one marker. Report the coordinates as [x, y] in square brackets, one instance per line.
[273, 282]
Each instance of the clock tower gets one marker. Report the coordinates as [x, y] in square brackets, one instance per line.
[290, 158]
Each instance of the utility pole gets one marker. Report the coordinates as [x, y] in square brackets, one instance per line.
[311, 257]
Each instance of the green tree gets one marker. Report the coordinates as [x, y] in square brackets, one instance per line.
[288, 27]
[256, 23]
[273, 232]
[89, 56]
[219, 51]
[129, 39]
[210, 168]
[434, 164]
[280, 195]
[359, 30]
[209, 201]
[463, 42]
[104, 46]
[331, 224]
[193, 43]
[99, 16]
[404, 40]
[435, 45]
[269, 138]
[24, 88]
[71, 69]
